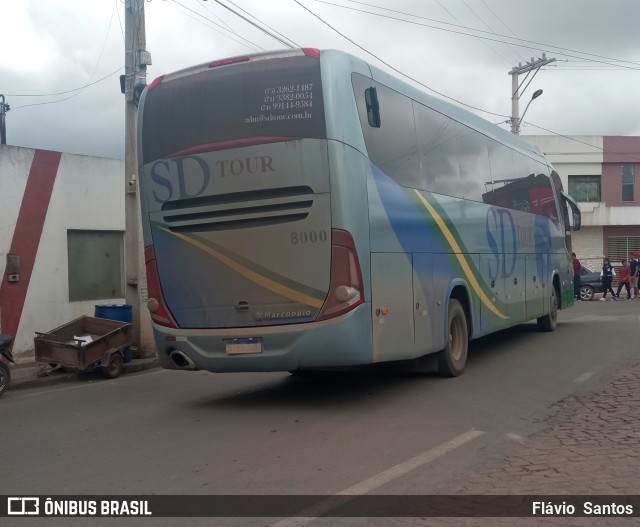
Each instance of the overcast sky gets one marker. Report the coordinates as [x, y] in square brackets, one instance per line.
[52, 46]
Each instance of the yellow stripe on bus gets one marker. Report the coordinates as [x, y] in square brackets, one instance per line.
[263, 281]
[463, 262]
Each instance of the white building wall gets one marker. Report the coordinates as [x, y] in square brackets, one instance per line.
[579, 149]
[13, 181]
[88, 194]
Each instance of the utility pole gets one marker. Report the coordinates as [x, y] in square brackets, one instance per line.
[4, 108]
[136, 61]
[535, 66]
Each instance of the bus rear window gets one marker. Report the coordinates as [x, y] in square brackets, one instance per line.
[275, 98]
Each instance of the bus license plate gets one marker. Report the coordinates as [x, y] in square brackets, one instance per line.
[239, 346]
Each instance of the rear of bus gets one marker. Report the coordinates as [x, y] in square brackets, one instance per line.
[247, 267]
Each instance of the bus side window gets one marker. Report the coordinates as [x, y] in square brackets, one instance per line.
[373, 107]
[392, 146]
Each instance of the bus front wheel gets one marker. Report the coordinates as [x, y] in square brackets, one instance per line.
[452, 359]
[550, 322]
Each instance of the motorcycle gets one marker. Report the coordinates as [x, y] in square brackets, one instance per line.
[5, 359]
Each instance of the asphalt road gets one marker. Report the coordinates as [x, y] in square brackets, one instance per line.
[368, 431]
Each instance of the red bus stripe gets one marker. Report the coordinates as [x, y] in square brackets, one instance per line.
[26, 236]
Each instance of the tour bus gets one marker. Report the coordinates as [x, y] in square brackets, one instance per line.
[305, 210]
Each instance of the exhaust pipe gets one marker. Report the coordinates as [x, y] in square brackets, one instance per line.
[181, 361]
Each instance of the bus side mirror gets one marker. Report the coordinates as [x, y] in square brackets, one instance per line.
[575, 209]
[577, 221]
[373, 108]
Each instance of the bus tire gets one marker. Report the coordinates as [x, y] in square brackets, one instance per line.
[452, 359]
[550, 322]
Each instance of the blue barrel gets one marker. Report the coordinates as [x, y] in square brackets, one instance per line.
[119, 312]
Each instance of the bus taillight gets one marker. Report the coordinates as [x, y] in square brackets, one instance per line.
[156, 82]
[227, 62]
[346, 290]
[159, 311]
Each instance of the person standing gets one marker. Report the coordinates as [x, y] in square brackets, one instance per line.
[633, 267]
[576, 276]
[625, 277]
[607, 274]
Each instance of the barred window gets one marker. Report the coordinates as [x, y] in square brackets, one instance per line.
[585, 188]
[620, 247]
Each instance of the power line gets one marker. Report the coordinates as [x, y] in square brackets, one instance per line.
[81, 88]
[264, 23]
[78, 90]
[490, 28]
[585, 68]
[219, 26]
[583, 65]
[503, 23]
[104, 44]
[431, 89]
[222, 21]
[272, 35]
[61, 93]
[119, 21]
[471, 34]
[546, 47]
[392, 67]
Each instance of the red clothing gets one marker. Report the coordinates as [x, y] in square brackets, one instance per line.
[576, 267]
[625, 274]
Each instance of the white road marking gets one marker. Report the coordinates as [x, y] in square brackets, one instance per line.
[584, 376]
[382, 478]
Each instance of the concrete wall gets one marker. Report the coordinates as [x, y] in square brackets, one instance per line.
[42, 194]
[570, 150]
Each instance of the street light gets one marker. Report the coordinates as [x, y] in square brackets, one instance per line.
[535, 95]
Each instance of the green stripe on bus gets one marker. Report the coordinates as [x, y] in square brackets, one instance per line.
[453, 240]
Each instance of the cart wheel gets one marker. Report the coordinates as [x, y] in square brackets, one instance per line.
[114, 368]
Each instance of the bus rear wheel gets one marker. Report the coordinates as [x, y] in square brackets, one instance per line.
[452, 359]
[550, 322]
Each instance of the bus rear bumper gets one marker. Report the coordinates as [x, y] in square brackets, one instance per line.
[338, 342]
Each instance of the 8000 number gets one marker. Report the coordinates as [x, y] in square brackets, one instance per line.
[304, 237]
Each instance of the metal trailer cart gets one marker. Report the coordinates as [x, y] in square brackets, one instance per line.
[86, 343]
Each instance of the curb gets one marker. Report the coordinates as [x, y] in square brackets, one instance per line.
[58, 377]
